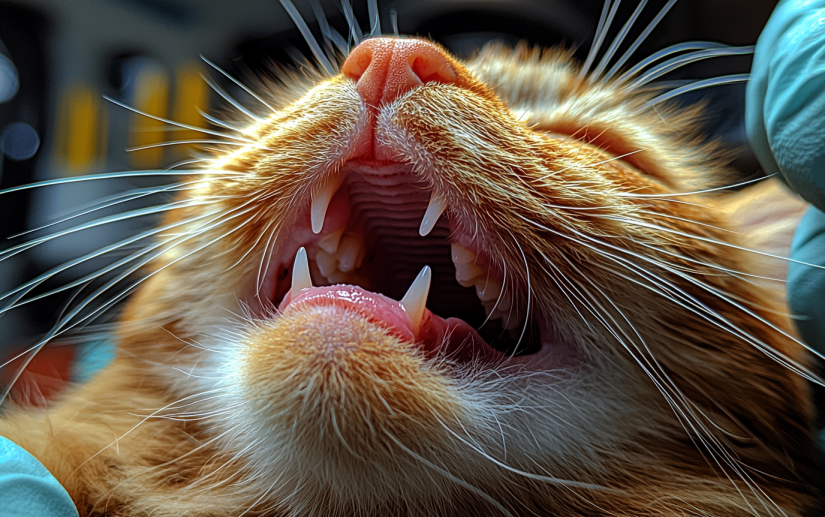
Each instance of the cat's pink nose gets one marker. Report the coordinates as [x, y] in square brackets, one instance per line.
[386, 68]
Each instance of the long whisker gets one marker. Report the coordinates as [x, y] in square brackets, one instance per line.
[665, 52]
[693, 304]
[458, 481]
[228, 98]
[316, 49]
[597, 39]
[190, 142]
[355, 30]
[697, 85]
[328, 32]
[529, 295]
[642, 37]
[686, 59]
[28, 286]
[173, 123]
[104, 203]
[707, 239]
[695, 192]
[123, 216]
[611, 50]
[220, 123]
[375, 20]
[238, 83]
[117, 175]
[61, 327]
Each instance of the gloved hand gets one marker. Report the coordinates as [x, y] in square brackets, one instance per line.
[785, 121]
[27, 489]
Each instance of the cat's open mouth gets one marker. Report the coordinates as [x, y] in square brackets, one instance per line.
[377, 233]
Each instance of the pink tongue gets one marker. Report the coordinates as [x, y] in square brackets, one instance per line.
[452, 335]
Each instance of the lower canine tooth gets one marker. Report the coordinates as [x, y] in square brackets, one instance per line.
[321, 199]
[300, 273]
[415, 300]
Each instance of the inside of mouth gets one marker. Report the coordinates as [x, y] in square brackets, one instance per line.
[370, 238]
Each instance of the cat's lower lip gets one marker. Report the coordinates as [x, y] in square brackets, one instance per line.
[450, 337]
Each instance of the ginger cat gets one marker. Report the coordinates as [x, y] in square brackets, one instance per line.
[421, 286]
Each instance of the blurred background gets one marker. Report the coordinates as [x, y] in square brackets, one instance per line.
[58, 58]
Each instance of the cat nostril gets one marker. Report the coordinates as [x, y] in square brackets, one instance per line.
[386, 68]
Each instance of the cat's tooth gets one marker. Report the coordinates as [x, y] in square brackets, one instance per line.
[434, 210]
[300, 273]
[330, 241]
[320, 201]
[348, 252]
[327, 263]
[487, 289]
[415, 300]
[466, 274]
[460, 254]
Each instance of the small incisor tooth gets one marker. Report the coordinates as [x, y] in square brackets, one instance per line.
[321, 199]
[348, 252]
[487, 289]
[300, 273]
[460, 254]
[431, 215]
[466, 274]
[327, 263]
[415, 301]
[329, 242]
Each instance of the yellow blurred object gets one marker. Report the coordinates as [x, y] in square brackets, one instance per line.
[152, 97]
[191, 97]
[78, 129]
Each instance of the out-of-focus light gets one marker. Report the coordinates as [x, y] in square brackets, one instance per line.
[19, 141]
[9, 82]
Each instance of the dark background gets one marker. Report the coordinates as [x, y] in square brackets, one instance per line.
[67, 54]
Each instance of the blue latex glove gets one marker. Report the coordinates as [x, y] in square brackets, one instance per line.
[27, 489]
[785, 120]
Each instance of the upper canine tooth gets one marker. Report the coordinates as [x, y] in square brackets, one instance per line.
[415, 300]
[434, 211]
[321, 199]
[461, 255]
[300, 273]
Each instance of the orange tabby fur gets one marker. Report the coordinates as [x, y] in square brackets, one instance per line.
[668, 414]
